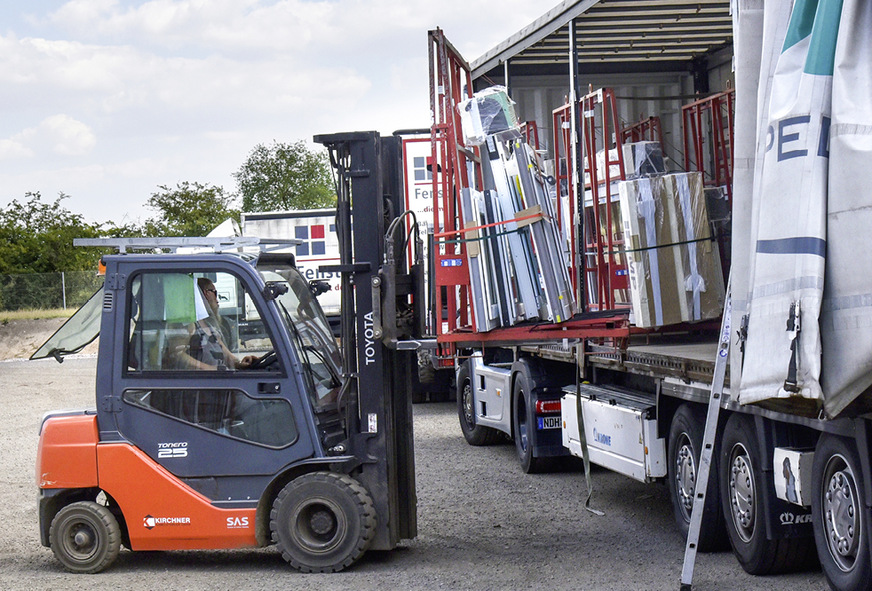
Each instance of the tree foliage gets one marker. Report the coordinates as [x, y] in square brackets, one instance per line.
[37, 237]
[285, 176]
[189, 209]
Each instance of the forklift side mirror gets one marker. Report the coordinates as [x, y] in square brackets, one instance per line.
[274, 289]
[317, 287]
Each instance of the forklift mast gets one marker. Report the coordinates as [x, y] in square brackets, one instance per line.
[378, 309]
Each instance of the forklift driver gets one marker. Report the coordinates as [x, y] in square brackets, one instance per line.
[207, 343]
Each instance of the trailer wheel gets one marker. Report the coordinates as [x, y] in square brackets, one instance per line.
[85, 537]
[839, 516]
[523, 426]
[426, 370]
[742, 491]
[322, 522]
[684, 448]
[474, 434]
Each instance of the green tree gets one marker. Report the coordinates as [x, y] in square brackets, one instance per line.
[189, 209]
[37, 237]
[285, 176]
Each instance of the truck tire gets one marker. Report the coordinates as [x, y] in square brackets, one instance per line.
[426, 371]
[523, 426]
[742, 491]
[684, 448]
[839, 517]
[85, 537]
[322, 522]
[474, 434]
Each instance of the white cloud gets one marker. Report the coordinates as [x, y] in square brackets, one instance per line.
[241, 26]
[183, 89]
[124, 77]
[13, 149]
[231, 25]
[66, 136]
[59, 134]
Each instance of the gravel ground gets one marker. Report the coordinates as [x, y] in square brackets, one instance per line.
[483, 524]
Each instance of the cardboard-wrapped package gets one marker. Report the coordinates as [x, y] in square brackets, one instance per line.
[674, 266]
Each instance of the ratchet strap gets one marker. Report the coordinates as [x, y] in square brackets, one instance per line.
[582, 440]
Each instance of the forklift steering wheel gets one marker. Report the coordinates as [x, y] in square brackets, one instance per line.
[264, 360]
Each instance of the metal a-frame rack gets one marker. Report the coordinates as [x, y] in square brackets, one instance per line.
[460, 164]
[561, 142]
[606, 268]
[644, 130]
[648, 129]
[707, 131]
[712, 117]
[450, 82]
[531, 133]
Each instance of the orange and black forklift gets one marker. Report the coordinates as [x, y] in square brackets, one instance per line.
[226, 414]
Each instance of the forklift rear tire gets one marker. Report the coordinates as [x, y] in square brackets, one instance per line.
[474, 434]
[322, 522]
[85, 537]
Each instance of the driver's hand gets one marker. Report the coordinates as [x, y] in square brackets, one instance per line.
[246, 362]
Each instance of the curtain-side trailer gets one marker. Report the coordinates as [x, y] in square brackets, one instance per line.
[623, 378]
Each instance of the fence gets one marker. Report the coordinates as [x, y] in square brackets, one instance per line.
[44, 291]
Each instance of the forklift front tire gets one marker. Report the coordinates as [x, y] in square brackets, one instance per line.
[322, 522]
[85, 537]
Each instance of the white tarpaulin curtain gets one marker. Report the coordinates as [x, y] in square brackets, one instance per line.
[846, 316]
[798, 289]
[748, 53]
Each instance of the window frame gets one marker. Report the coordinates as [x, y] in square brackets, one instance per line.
[128, 393]
[210, 271]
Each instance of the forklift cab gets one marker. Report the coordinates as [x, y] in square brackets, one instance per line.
[219, 420]
[165, 330]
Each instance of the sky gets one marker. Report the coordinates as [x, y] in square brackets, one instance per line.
[106, 100]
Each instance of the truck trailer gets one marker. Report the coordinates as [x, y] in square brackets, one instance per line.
[584, 289]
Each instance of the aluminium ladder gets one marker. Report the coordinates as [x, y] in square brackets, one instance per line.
[708, 440]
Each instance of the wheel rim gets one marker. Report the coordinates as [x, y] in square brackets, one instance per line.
[685, 475]
[319, 525]
[81, 541]
[521, 413]
[467, 404]
[742, 492]
[841, 514]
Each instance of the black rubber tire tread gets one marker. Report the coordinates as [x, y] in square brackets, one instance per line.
[100, 522]
[474, 434]
[521, 399]
[688, 424]
[758, 556]
[426, 371]
[348, 496]
[859, 577]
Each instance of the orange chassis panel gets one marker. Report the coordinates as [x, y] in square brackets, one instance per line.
[66, 455]
[163, 513]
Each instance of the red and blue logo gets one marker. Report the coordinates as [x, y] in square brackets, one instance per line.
[314, 239]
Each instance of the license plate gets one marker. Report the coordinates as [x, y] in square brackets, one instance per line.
[549, 422]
